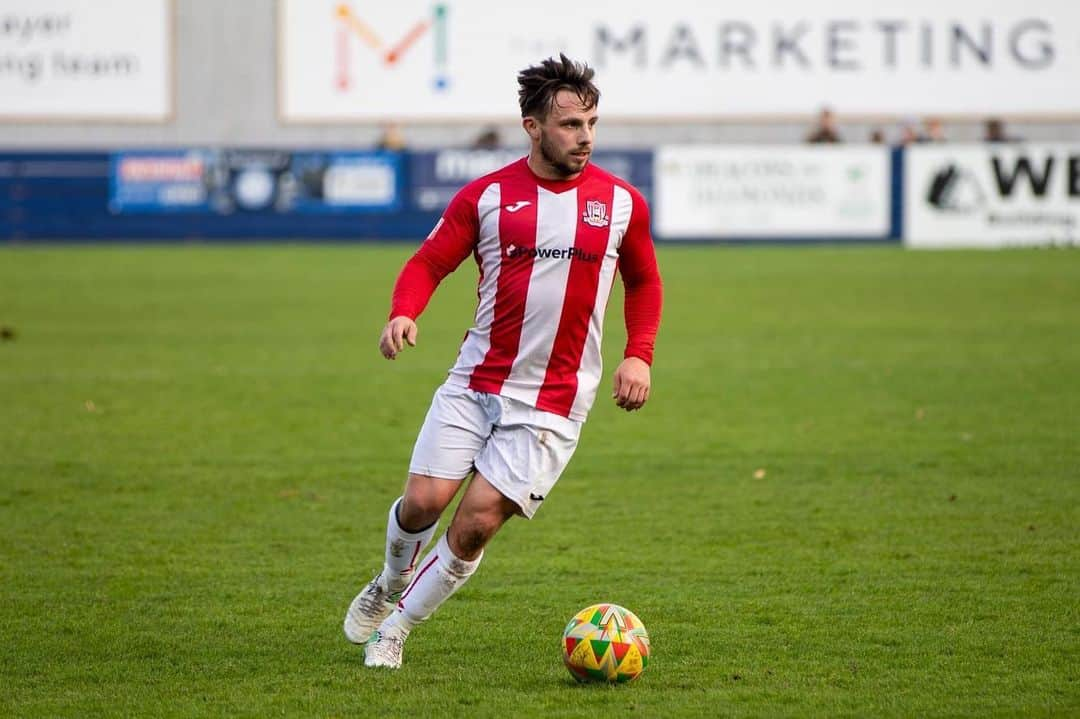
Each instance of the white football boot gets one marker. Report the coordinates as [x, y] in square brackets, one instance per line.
[385, 647]
[370, 607]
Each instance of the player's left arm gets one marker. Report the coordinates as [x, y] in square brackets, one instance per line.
[643, 302]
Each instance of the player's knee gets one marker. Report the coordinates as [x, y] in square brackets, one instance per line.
[419, 510]
[469, 539]
[471, 542]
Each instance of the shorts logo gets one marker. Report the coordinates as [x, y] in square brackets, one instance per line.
[595, 213]
[536, 497]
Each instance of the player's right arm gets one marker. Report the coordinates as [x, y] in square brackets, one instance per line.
[452, 240]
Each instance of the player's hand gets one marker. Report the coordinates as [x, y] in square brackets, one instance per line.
[397, 332]
[632, 382]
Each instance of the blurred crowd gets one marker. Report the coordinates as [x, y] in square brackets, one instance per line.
[826, 130]
[909, 131]
[392, 137]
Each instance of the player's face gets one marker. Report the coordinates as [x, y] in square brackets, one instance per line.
[564, 140]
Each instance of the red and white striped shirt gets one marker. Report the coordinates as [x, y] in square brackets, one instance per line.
[547, 251]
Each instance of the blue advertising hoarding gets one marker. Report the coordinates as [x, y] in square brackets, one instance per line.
[274, 181]
[347, 182]
[240, 195]
[159, 181]
[435, 176]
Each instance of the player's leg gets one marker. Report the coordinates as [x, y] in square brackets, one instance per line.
[482, 512]
[410, 526]
[452, 434]
[516, 468]
[424, 500]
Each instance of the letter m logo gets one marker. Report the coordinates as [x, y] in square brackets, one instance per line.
[351, 27]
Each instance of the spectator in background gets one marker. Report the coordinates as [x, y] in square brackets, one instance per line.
[995, 131]
[392, 138]
[487, 140]
[908, 135]
[877, 136]
[825, 130]
[933, 130]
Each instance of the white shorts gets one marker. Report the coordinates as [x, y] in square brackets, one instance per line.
[519, 449]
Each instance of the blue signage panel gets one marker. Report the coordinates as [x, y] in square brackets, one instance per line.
[160, 181]
[258, 181]
[346, 181]
[435, 176]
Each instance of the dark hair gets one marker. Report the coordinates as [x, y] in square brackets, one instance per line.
[538, 85]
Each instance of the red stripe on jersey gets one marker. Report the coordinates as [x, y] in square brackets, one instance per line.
[517, 235]
[591, 239]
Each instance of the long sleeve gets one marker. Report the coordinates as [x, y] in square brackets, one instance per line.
[644, 288]
[452, 240]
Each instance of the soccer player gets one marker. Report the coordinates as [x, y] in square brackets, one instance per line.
[548, 233]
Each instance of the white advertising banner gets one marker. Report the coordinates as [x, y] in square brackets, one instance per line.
[86, 59]
[992, 195]
[413, 59]
[771, 192]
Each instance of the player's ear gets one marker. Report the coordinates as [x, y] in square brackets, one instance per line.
[532, 127]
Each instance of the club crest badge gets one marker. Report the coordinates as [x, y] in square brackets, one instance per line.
[595, 214]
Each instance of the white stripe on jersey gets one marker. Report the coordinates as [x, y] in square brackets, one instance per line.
[592, 364]
[478, 340]
[556, 226]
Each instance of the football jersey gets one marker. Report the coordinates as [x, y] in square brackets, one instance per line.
[547, 252]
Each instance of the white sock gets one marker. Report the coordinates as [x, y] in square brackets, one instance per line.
[440, 576]
[402, 550]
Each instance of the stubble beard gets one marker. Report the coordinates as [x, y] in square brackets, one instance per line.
[550, 155]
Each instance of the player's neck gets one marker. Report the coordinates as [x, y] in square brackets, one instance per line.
[544, 170]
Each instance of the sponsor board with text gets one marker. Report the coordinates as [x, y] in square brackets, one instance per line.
[771, 192]
[458, 59]
[252, 180]
[992, 195]
[74, 59]
[436, 176]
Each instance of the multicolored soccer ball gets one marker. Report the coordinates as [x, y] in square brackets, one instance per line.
[605, 643]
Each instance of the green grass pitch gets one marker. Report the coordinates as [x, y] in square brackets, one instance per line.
[855, 491]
